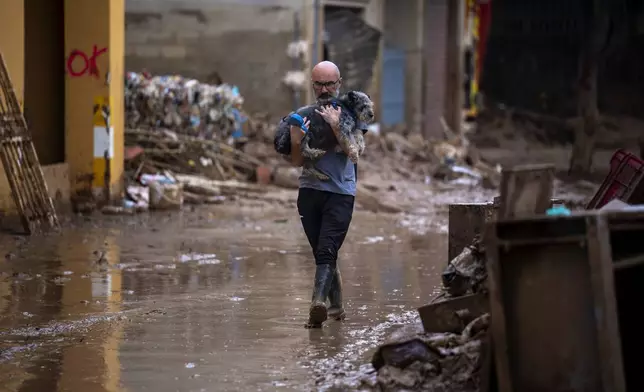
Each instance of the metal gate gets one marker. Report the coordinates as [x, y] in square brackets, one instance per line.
[393, 87]
[20, 161]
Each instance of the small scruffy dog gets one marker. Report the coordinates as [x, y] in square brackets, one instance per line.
[356, 106]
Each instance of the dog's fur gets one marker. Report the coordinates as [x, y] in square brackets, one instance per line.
[319, 139]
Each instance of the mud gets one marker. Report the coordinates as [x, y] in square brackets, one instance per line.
[210, 299]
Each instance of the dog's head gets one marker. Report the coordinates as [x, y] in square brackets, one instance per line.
[361, 105]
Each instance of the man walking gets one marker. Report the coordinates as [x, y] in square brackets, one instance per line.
[326, 207]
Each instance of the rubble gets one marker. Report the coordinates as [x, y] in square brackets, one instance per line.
[449, 353]
[183, 105]
[431, 361]
[466, 272]
[179, 126]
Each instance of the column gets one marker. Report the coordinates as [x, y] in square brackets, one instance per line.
[94, 45]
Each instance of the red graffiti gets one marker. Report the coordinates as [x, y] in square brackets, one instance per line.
[86, 65]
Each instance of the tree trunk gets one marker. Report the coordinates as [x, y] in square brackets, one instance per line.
[595, 39]
[582, 153]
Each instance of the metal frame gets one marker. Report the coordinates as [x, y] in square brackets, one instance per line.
[595, 239]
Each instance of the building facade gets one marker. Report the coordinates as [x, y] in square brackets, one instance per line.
[243, 42]
[65, 60]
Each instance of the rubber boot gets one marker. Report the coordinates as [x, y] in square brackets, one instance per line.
[336, 311]
[322, 285]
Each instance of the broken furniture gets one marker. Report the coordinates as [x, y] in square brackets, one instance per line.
[21, 164]
[564, 299]
[525, 190]
[623, 182]
[467, 221]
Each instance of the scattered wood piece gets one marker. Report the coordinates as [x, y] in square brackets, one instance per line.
[453, 314]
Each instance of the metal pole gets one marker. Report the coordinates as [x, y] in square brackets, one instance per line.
[296, 61]
[316, 32]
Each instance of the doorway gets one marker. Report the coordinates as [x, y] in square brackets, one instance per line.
[329, 11]
[352, 44]
[44, 102]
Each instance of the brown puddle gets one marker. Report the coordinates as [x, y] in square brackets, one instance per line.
[211, 300]
[199, 301]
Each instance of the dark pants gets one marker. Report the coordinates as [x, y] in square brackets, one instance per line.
[326, 218]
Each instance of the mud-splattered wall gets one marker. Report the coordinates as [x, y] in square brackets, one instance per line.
[533, 52]
[245, 43]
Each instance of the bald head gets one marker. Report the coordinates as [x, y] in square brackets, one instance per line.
[325, 71]
[326, 80]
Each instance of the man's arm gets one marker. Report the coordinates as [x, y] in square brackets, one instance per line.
[297, 133]
[332, 117]
[296, 141]
[344, 146]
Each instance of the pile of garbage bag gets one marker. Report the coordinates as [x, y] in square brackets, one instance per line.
[183, 105]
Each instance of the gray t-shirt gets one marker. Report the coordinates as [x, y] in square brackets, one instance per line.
[341, 172]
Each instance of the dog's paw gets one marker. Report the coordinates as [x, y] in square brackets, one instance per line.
[322, 177]
[354, 154]
[310, 171]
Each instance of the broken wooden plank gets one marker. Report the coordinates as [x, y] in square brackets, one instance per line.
[452, 315]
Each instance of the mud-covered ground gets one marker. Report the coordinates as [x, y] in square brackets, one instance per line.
[213, 299]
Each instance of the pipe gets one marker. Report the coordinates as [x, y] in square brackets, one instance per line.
[296, 61]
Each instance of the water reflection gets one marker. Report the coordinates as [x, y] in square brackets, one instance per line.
[49, 283]
[232, 317]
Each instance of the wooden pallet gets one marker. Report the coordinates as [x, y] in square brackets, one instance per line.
[21, 164]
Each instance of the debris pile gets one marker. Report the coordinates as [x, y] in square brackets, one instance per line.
[466, 273]
[179, 126]
[451, 353]
[452, 159]
[431, 362]
[182, 105]
[160, 150]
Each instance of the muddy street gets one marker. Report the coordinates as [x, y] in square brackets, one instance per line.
[212, 299]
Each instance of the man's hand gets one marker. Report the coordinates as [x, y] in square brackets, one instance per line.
[297, 133]
[331, 116]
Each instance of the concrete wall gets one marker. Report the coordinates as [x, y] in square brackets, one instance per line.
[434, 61]
[12, 42]
[245, 42]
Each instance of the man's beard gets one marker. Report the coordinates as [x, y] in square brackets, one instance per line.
[325, 98]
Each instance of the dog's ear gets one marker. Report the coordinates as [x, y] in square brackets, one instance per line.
[352, 96]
